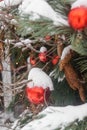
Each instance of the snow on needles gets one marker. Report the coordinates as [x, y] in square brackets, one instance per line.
[7, 3]
[39, 78]
[66, 51]
[57, 117]
[36, 8]
[79, 3]
[41, 8]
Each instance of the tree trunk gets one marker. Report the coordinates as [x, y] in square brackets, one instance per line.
[6, 77]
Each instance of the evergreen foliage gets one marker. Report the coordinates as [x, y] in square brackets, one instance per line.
[36, 30]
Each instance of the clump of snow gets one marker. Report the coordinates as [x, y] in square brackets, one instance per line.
[43, 49]
[79, 3]
[42, 9]
[60, 79]
[39, 78]
[4, 116]
[66, 51]
[36, 8]
[14, 22]
[57, 117]
[23, 42]
[6, 3]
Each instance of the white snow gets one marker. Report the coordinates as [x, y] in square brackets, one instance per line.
[57, 117]
[66, 51]
[49, 119]
[6, 3]
[29, 66]
[54, 117]
[5, 116]
[37, 8]
[43, 49]
[23, 42]
[79, 3]
[60, 79]
[39, 78]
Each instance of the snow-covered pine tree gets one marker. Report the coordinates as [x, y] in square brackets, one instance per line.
[52, 36]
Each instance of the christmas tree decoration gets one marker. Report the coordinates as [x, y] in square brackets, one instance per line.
[43, 57]
[43, 54]
[55, 60]
[32, 61]
[47, 37]
[38, 89]
[37, 95]
[77, 18]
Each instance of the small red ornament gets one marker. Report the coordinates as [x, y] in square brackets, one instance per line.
[37, 95]
[43, 56]
[78, 18]
[47, 37]
[32, 61]
[55, 60]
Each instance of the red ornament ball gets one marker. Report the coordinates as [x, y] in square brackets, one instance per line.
[37, 95]
[32, 61]
[47, 37]
[78, 18]
[55, 60]
[43, 56]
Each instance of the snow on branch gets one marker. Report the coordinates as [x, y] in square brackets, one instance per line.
[57, 117]
[42, 9]
[66, 51]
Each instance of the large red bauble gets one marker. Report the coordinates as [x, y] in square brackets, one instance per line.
[43, 56]
[36, 95]
[78, 18]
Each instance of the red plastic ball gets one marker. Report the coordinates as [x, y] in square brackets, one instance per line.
[55, 60]
[47, 37]
[78, 18]
[43, 57]
[37, 95]
[32, 61]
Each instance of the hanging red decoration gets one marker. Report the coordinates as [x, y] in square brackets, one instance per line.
[37, 95]
[78, 18]
[43, 56]
[55, 60]
[47, 37]
[32, 61]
